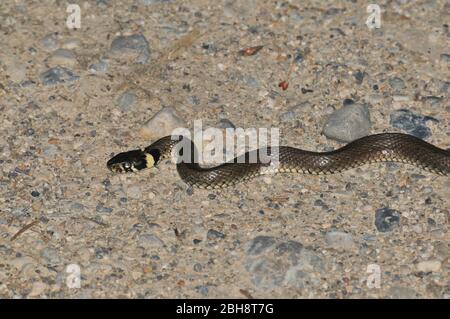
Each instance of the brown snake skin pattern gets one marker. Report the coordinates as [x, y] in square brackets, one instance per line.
[385, 147]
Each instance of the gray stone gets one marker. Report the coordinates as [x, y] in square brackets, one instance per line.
[411, 123]
[214, 234]
[51, 256]
[397, 83]
[162, 124]
[387, 219]
[136, 44]
[50, 150]
[99, 67]
[202, 289]
[102, 209]
[150, 241]
[340, 240]
[359, 76]
[57, 75]
[225, 123]
[62, 57]
[348, 123]
[398, 292]
[50, 42]
[126, 101]
[259, 245]
[272, 263]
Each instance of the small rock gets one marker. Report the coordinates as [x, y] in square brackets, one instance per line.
[359, 76]
[224, 124]
[202, 289]
[19, 262]
[126, 100]
[37, 289]
[429, 265]
[15, 69]
[134, 192]
[50, 42]
[51, 256]
[386, 219]
[340, 240]
[99, 67]
[150, 241]
[102, 209]
[272, 262]
[214, 234]
[397, 83]
[259, 244]
[70, 44]
[57, 75]
[135, 45]
[398, 292]
[348, 102]
[162, 124]
[445, 59]
[62, 57]
[411, 123]
[348, 123]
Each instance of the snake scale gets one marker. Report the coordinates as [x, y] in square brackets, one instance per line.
[384, 147]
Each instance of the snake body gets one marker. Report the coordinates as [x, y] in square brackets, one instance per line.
[385, 147]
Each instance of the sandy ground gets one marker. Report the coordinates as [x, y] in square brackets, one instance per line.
[376, 231]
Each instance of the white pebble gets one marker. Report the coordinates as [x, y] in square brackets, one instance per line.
[429, 265]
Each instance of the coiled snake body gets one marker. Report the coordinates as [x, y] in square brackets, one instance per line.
[385, 147]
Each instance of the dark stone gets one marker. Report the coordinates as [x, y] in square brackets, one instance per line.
[387, 219]
[412, 123]
[35, 193]
[214, 234]
[260, 244]
[57, 75]
[359, 76]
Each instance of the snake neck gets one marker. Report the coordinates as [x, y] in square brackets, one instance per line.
[179, 148]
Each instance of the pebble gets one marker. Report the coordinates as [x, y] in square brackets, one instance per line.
[411, 123]
[37, 289]
[162, 124]
[62, 57]
[429, 265]
[273, 262]
[57, 75]
[348, 123]
[398, 292]
[386, 219]
[259, 244]
[445, 59]
[134, 192]
[397, 83]
[126, 101]
[20, 262]
[98, 67]
[102, 209]
[214, 234]
[70, 44]
[136, 44]
[150, 241]
[15, 69]
[202, 289]
[225, 123]
[51, 256]
[50, 42]
[340, 240]
[359, 77]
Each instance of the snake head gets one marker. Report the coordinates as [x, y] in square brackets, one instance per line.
[131, 161]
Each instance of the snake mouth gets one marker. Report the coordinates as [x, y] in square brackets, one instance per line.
[125, 162]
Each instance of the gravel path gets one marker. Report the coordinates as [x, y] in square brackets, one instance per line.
[69, 99]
